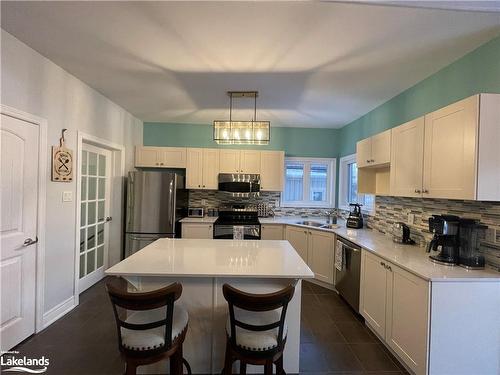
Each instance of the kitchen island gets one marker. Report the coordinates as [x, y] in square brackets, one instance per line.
[202, 267]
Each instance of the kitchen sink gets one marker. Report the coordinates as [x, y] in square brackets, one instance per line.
[330, 226]
[310, 223]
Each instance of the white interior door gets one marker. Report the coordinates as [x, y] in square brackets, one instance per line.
[18, 228]
[95, 178]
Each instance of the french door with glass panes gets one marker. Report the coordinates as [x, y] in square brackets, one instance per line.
[94, 214]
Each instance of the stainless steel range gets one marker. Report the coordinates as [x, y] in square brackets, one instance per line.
[237, 219]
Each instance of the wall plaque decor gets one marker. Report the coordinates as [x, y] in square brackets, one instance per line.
[62, 162]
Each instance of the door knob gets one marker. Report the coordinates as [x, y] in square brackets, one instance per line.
[108, 218]
[30, 241]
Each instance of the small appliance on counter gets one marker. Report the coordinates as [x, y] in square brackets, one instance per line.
[196, 211]
[470, 233]
[355, 219]
[445, 240]
[401, 234]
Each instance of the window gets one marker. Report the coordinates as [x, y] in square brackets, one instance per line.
[348, 185]
[309, 182]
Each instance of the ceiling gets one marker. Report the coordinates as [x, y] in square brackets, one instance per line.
[315, 64]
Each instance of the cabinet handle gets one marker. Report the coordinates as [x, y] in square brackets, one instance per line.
[157, 163]
[425, 191]
[199, 185]
[367, 160]
[305, 232]
[372, 160]
[382, 264]
[203, 185]
[161, 163]
[418, 191]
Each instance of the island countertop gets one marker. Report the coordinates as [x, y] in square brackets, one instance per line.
[215, 258]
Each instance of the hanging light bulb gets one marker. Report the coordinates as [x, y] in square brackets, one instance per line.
[248, 134]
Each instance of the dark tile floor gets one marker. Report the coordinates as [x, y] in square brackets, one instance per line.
[333, 339]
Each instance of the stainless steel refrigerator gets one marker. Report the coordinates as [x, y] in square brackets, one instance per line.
[156, 201]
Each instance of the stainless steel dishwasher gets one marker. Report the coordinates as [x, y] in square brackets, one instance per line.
[347, 279]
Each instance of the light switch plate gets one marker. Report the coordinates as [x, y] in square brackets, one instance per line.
[277, 203]
[67, 196]
[411, 219]
[203, 202]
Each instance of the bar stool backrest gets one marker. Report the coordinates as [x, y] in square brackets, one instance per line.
[122, 298]
[258, 303]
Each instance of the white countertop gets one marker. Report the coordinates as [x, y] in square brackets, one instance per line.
[214, 258]
[204, 219]
[409, 257]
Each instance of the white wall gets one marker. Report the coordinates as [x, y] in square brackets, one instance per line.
[34, 84]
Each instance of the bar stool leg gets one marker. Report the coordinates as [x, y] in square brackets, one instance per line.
[228, 360]
[279, 366]
[243, 368]
[130, 368]
[268, 368]
[176, 362]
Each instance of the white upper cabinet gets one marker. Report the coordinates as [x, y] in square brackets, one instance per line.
[229, 161]
[374, 151]
[407, 158]
[450, 151]
[162, 157]
[147, 156]
[202, 168]
[194, 168]
[240, 161]
[272, 169]
[250, 161]
[364, 152]
[381, 148]
[210, 168]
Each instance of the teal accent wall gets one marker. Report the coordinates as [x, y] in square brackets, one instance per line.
[476, 72]
[294, 141]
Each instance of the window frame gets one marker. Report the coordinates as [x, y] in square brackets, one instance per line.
[343, 188]
[330, 184]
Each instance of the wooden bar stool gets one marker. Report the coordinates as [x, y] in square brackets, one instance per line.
[150, 327]
[256, 329]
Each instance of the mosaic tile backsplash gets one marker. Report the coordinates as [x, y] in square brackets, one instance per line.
[389, 210]
[215, 199]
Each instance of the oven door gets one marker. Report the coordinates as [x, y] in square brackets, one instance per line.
[225, 232]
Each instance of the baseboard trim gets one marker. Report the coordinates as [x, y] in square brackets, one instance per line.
[58, 311]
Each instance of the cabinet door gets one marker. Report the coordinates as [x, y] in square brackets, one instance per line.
[450, 151]
[381, 148]
[298, 238]
[272, 169]
[407, 159]
[210, 168]
[272, 232]
[146, 156]
[373, 292]
[173, 157]
[320, 255]
[250, 161]
[197, 230]
[364, 152]
[229, 161]
[194, 168]
[407, 317]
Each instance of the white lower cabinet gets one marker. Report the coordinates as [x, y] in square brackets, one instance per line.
[373, 292]
[197, 230]
[316, 247]
[395, 304]
[297, 237]
[271, 232]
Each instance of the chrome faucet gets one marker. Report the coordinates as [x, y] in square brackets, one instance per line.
[331, 216]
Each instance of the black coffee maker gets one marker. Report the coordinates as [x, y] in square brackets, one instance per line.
[355, 219]
[445, 240]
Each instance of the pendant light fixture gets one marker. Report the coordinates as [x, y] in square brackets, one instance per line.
[242, 132]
